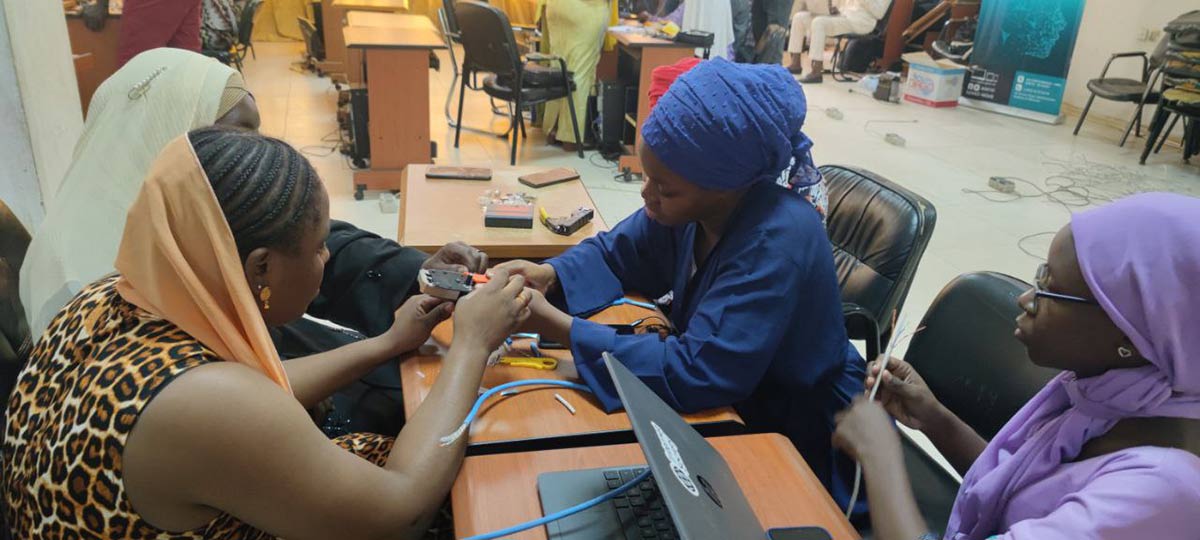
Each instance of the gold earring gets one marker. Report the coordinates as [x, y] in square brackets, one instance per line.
[264, 294]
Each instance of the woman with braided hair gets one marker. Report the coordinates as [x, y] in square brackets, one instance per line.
[157, 406]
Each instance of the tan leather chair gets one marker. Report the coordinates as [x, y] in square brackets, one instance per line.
[15, 341]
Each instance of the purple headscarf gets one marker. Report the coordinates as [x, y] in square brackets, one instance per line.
[1140, 257]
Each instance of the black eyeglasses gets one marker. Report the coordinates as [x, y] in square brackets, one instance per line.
[1043, 279]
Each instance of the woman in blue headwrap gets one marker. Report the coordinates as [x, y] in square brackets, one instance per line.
[756, 307]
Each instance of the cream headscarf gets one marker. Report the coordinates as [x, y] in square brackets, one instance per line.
[178, 260]
[156, 97]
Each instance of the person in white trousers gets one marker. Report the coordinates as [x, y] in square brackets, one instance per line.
[855, 17]
[803, 12]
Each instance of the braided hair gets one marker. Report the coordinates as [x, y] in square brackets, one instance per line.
[266, 189]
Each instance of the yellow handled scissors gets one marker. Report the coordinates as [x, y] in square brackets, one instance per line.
[541, 362]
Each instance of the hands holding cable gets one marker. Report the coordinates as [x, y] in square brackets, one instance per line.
[866, 425]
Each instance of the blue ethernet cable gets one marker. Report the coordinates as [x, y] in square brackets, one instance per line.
[565, 512]
[462, 428]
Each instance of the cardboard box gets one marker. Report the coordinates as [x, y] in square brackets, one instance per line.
[933, 83]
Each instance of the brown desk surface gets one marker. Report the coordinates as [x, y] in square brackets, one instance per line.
[443, 211]
[373, 37]
[389, 20]
[637, 40]
[534, 414]
[494, 492]
[376, 5]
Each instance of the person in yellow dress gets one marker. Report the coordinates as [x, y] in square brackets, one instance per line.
[575, 31]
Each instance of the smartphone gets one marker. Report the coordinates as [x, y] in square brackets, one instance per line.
[798, 533]
[622, 329]
[549, 178]
[459, 173]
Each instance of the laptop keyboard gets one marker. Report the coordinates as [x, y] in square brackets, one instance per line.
[642, 511]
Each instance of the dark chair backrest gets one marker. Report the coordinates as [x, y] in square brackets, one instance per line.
[882, 24]
[14, 331]
[246, 24]
[451, 20]
[1159, 55]
[15, 340]
[879, 231]
[968, 355]
[312, 39]
[487, 39]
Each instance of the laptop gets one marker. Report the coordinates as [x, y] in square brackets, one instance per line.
[691, 494]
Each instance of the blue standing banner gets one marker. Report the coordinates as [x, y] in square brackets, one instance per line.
[1022, 54]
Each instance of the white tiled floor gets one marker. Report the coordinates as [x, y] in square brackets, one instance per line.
[947, 151]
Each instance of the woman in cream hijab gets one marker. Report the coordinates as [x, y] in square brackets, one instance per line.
[157, 96]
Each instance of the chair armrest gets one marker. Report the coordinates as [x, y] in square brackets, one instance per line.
[859, 318]
[542, 57]
[1131, 54]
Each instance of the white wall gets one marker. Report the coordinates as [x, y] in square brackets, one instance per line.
[1112, 26]
[19, 187]
[39, 101]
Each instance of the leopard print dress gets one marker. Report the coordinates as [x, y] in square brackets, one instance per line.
[75, 403]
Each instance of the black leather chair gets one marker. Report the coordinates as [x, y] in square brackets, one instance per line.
[450, 31]
[489, 46]
[976, 368]
[15, 342]
[879, 231]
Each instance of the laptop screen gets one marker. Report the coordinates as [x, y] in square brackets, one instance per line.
[696, 483]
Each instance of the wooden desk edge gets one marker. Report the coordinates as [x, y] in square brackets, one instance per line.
[813, 501]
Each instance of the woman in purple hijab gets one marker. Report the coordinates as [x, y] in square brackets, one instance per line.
[1108, 449]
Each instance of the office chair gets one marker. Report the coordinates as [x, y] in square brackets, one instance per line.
[879, 231]
[1138, 91]
[245, 31]
[452, 35]
[489, 46]
[843, 43]
[969, 358]
[314, 47]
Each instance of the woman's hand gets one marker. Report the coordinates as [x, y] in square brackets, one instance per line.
[864, 429]
[493, 311]
[547, 320]
[540, 277]
[904, 393]
[459, 257]
[415, 321]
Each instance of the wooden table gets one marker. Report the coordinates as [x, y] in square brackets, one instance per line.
[389, 20]
[646, 53]
[494, 492]
[437, 212]
[397, 72]
[333, 18]
[377, 19]
[533, 419]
